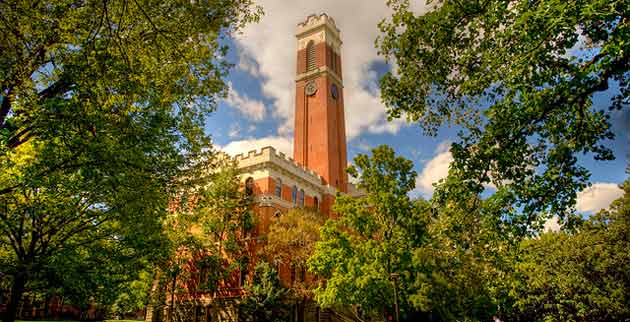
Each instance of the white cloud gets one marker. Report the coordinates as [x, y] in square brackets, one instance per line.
[435, 169]
[281, 144]
[235, 131]
[552, 225]
[248, 65]
[597, 197]
[252, 109]
[272, 46]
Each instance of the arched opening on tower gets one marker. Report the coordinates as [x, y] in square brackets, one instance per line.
[310, 56]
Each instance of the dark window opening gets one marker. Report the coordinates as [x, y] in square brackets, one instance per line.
[249, 186]
[278, 188]
[302, 274]
[333, 63]
[302, 197]
[294, 192]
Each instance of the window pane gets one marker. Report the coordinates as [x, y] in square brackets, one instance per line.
[279, 188]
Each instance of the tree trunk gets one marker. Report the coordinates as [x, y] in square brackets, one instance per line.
[61, 303]
[17, 289]
[170, 312]
[47, 305]
[153, 298]
[302, 309]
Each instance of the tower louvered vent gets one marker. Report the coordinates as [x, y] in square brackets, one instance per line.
[310, 57]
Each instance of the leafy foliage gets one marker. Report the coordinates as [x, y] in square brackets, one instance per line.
[133, 296]
[266, 301]
[102, 106]
[463, 269]
[374, 237]
[577, 277]
[77, 233]
[207, 228]
[291, 240]
[519, 76]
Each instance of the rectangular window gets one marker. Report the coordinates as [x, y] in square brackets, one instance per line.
[279, 188]
[301, 198]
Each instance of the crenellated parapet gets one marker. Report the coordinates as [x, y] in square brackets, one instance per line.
[269, 157]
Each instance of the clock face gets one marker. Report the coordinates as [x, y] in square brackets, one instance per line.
[334, 91]
[311, 88]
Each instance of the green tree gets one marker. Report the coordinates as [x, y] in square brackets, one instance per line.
[206, 227]
[132, 296]
[291, 241]
[267, 299]
[519, 77]
[102, 106]
[463, 269]
[374, 237]
[577, 277]
[66, 233]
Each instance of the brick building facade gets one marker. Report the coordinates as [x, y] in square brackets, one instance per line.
[315, 173]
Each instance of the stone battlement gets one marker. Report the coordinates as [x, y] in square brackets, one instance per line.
[269, 154]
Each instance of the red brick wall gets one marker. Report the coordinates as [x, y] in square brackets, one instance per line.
[320, 138]
[319, 135]
[263, 185]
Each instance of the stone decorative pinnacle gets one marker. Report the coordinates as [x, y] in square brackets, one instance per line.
[318, 19]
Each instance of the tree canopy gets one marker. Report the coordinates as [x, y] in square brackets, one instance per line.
[519, 77]
[208, 229]
[102, 108]
[373, 238]
[291, 241]
[582, 276]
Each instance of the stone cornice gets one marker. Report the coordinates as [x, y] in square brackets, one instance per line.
[324, 70]
[269, 200]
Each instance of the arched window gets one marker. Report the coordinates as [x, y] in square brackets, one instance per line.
[277, 214]
[249, 186]
[302, 274]
[294, 192]
[301, 197]
[278, 188]
[310, 56]
[244, 272]
[316, 203]
[333, 60]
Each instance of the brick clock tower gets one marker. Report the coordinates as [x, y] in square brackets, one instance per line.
[320, 133]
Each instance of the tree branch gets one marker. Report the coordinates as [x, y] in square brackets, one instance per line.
[61, 86]
[6, 106]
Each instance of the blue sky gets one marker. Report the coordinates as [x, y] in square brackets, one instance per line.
[259, 109]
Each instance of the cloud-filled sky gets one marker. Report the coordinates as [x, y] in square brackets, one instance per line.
[259, 109]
